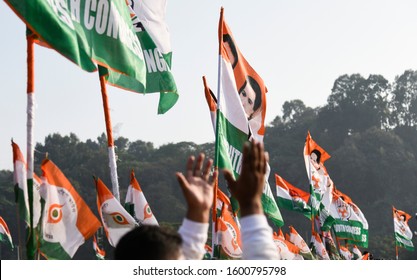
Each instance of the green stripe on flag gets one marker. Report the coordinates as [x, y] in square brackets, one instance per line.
[86, 33]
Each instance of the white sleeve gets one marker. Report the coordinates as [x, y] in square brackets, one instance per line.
[257, 241]
[194, 237]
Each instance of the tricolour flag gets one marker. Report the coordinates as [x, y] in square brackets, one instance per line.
[402, 232]
[211, 102]
[292, 198]
[21, 189]
[345, 253]
[321, 186]
[148, 18]
[5, 235]
[240, 114]
[20, 181]
[228, 241]
[348, 221]
[100, 253]
[86, 32]
[137, 205]
[318, 248]
[116, 220]
[330, 245]
[244, 80]
[67, 221]
[209, 252]
[298, 241]
[356, 253]
[286, 249]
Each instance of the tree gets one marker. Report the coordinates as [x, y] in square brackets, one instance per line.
[354, 105]
[404, 99]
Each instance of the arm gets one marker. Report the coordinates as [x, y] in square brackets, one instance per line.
[257, 242]
[197, 187]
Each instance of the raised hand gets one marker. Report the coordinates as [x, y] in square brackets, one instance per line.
[197, 187]
[248, 188]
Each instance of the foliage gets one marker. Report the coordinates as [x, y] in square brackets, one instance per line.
[368, 126]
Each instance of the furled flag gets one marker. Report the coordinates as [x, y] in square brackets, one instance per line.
[20, 181]
[211, 102]
[21, 190]
[5, 235]
[286, 249]
[209, 252]
[345, 253]
[67, 221]
[348, 221]
[86, 32]
[116, 220]
[402, 232]
[321, 186]
[330, 245]
[148, 18]
[100, 253]
[318, 248]
[228, 243]
[356, 253]
[366, 256]
[137, 205]
[298, 241]
[292, 198]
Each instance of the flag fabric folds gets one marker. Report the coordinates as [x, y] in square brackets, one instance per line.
[356, 253]
[21, 190]
[243, 80]
[297, 240]
[318, 248]
[228, 242]
[286, 249]
[321, 186]
[402, 232]
[137, 205]
[148, 17]
[292, 198]
[100, 253]
[67, 221]
[348, 221]
[5, 235]
[79, 29]
[241, 107]
[115, 219]
[345, 253]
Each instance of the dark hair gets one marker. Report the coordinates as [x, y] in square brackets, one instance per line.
[318, 154]
[228, 39]
[258, 93]
[149, 242]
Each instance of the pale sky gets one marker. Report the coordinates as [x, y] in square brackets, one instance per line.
[298, 47]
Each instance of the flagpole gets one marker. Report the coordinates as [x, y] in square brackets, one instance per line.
[19, 236]
[110, 141]
[30, 111]
[216, 146]
[395, 238]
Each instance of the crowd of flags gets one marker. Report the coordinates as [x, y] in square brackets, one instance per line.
[138, 57]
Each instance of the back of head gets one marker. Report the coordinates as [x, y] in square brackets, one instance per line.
[149, 242]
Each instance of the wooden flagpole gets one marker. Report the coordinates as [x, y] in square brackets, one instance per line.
[110, 141]
[31, 241]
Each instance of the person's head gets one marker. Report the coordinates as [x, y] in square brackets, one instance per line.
[315, 156]
[251, 97]
[149, 242]
[230, 49]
